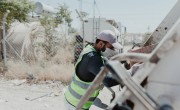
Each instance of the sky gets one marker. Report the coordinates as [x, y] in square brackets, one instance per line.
[138, 16]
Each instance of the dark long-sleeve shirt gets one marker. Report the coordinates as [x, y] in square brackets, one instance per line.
[90, 66]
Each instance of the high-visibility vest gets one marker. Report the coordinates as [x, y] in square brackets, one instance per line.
[78, 88]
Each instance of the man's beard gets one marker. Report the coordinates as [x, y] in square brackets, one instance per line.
[104, 48]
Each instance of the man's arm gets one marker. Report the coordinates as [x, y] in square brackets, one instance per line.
[94, 67]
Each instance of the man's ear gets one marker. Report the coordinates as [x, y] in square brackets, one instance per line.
[101, 44]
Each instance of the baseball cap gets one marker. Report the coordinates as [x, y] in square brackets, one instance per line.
[109, 36]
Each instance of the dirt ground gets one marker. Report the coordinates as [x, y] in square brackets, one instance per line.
[19, 95]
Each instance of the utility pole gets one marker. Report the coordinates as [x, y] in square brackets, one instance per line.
[123, 34]
[93, 18]
[148, 29]
[80, 6]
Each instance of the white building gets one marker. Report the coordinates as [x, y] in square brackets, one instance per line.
[92, 27]
[129, 38]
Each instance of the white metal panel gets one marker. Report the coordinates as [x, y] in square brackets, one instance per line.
[164, 81]
[165, 25]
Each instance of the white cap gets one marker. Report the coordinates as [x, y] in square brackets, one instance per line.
[109, 36]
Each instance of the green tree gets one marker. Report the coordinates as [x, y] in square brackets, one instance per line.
[49, 23]
[19, 10]
[63, 15]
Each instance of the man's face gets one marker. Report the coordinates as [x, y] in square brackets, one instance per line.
[103, 47]
[106, 45]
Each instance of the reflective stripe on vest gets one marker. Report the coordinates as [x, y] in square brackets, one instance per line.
[78, 88]
[78, 96]
[82, 85]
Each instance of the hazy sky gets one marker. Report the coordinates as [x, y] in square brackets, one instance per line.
[136, 15]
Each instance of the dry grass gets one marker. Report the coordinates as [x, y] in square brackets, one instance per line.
[58, 68]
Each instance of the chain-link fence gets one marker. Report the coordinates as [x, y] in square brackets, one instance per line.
[78, 47]
[34, 54]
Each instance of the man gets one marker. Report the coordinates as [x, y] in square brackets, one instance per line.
[88, 66]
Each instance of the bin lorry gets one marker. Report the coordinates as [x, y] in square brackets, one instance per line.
[155, 85]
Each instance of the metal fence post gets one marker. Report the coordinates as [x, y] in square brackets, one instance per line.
[4, 36]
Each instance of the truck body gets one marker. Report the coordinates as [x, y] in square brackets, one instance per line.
[159, 70]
